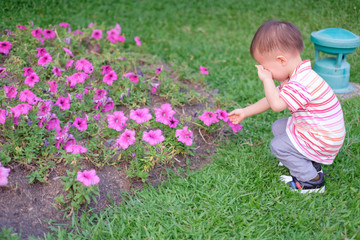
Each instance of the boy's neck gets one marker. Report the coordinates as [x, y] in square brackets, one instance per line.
[294, 63]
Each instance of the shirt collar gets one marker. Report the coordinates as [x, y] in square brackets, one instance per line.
[304, 65]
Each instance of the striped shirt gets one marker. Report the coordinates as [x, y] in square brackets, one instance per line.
[316, 127]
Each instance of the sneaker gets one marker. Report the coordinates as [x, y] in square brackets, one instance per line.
[317, 166]
[305, 187]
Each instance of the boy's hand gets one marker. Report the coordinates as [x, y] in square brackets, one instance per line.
[237, 115]
[263, 74]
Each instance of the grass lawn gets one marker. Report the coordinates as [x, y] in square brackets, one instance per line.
[239, 195]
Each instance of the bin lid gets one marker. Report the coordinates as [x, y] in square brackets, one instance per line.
[335, 37]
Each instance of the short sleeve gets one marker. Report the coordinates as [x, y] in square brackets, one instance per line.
[295, 95]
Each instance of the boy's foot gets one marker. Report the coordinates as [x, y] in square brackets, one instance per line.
[305, 187]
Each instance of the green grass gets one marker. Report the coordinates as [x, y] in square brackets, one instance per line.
[238, 195]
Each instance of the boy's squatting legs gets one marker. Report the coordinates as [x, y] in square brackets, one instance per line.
[281, 146]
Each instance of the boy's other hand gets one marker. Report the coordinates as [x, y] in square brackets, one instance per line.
[263, 74]
[237, 115]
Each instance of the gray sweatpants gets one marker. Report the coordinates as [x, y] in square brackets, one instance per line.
[281, 146]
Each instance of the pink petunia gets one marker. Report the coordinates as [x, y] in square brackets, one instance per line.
[10, 91]
[140, 115]
[31, 79]
[44, 109]
[4, 174]
[134, 78]
[56, 71]
[100, 93]
[108, 105]
[222, 115]
[235, 127]
[203, 70]
[3, 72]
[127, 75]
[48, 34]
[53, 86]
[96, 34]
[126, 139]
[44, 59]
[184, 136]
[164, 113]
[137, 40]
[208, 118]
[28, 71]
[63, 103]
[106, 69]
[22, 108]
[41, 52]
[69, 64]
[21, 27]
[90, 25]
[27, 96]
[73, 148]
[78, 32]
[64, 24]
[158, 70]
[53, 123]
[80, 124]
[76, 78]
[110, 77]
[173, 122]
[84, 65]
[153, 137]
[114, 35]
[3, 114]
[88, 178]
[68, 51]
[117, 120]
[37, 32]
[96, 116]
[5, 47]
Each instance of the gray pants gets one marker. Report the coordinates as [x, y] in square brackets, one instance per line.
[281, 146]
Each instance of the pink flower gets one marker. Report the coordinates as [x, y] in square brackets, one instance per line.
[110, 78]
[153, 137]
[68, 51]
[73, 148]
[2, 72]
[137, 40]
[140, 115]
[37, 32]
[97, 116]
[164, 113]
[96, 34]
[158, 70]
[80, 124]
[222, 115]
[48, 34]
[21, 27]
[27, 96]
[3, 114]
[106, 69]
[117, 121]
[88, 178]
[69, 64]
[90, 25]
[44, 109]
[126, 139]
[4, 174]
[76, 78]
[63, 103]
[64, 24]
[84, 65]
[208, 118]
[134, 78]
[99, 94]
[108, 105]
[78, 32]
[184, 136]
[22, 108]
[41, 52]
[44, 59]
[32, 79]
[28, 71]
[114, 35]
[56, 71]
[235, 127]
[5, 47]
[53, 86]
[203, 70]
[53, 123]
[10, 91]
[173, 122]
[127, 75]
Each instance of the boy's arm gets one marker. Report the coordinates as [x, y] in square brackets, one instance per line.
[240, 114]
[272, 94]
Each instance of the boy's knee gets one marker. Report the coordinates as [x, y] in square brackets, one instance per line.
[275, 146]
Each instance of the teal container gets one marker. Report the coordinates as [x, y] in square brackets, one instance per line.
[334, 70]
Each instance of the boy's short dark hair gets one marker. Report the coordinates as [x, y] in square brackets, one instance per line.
[276, 35]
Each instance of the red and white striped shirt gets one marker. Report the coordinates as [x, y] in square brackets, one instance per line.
[316, 127]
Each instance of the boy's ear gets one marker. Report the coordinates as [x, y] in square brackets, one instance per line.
[281, 59]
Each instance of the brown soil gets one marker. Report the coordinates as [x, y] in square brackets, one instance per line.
[26, 207]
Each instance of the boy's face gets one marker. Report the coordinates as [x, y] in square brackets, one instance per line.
[274, 64]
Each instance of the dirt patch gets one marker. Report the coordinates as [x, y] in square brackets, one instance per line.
[27, 208]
